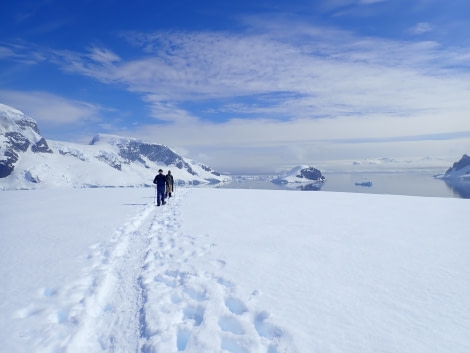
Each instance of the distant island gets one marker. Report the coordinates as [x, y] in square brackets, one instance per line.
[301, 174]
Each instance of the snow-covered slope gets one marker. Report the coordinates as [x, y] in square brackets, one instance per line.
[18, 134]
[27, 161]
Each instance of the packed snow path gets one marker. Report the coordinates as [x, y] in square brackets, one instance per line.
[142, 292]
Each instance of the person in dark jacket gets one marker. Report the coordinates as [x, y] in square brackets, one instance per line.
[169, 184]
[160, 180]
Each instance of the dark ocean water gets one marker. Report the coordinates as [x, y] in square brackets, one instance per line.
[412, 184]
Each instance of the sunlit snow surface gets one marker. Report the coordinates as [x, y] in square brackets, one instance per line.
[224, 270]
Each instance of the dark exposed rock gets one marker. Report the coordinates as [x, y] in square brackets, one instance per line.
[310, 174]
[18, 133]
[208, 169]
[17, 141]
[75, 154]
[41, 147]
[7, 165]
[110, 160]
[31, 178]
[26, 124]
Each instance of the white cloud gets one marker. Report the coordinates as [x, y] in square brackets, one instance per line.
[265, 145]
[323, 77]
[168, 111]
[49, 108]
[420, 28]
[287, 91]
[291, 92]
[103, 56]
[6, 52]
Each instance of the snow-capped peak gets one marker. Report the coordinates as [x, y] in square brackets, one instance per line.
[13, 121]
[27, 161]
[10, 112]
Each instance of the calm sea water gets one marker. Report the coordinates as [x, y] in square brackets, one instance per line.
[412, 184]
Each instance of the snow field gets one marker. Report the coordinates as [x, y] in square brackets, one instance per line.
[98, 311]
[142, 291]
[347, 272]
[233, 271]
[194, 308]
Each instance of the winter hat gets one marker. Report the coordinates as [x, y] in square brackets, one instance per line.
[160, 170]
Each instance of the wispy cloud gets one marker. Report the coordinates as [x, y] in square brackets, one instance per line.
[103, 56]
[23, 53]
[6, 52]
[322, 77]
[278, 85]
[421, 28]
[51, 109]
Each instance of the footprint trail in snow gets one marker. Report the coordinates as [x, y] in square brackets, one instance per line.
[149, 289]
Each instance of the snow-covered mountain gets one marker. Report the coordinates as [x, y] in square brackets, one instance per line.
[28, 161]
[18, 134]
[301, 174]
[460, 169]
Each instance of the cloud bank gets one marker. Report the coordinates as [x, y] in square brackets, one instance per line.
[283, 92]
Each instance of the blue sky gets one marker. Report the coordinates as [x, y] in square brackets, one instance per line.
[245, 85]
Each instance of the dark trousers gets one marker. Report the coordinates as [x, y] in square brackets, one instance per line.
[160, 194]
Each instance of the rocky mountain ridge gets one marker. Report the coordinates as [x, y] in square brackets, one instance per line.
[460, 169]
[28, 161]
[18, 134]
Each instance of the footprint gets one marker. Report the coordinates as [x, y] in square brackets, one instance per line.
[265, 329]
[230, 324]
[182, 339]
[48, 292]
[219, 264]
[233, 346]
[194, 313]
[225, 282]
[173, 273]
[198, 295]
[235, 306]
[169, 282]
[59, 317]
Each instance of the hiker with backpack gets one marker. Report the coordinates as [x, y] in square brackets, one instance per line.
[160, 181]
[169, 184]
